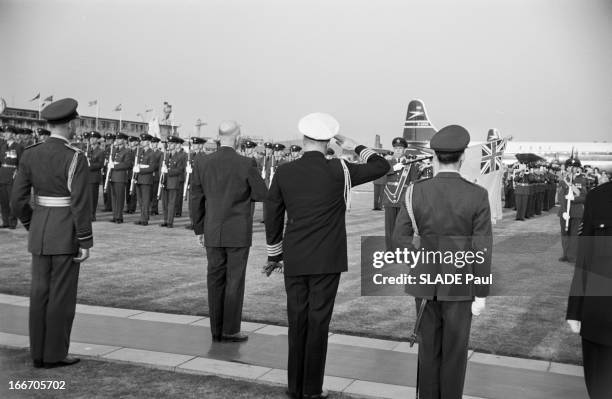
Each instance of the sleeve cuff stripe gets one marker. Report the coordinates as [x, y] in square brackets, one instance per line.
[85, 238]
[366, 153]
[275, 246]
[274, 253]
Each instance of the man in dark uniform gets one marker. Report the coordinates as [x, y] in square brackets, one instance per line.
[43, 134]
[95, 158]
[143, 169]
[197, 148]
[157, 160]
[379, 186]
[180, 152]
[266, 163]
[131, 198]
[590, 301]
[397, 180]
[109, 140]
[574, 187]
[521, 193]
[509, 188]
[223, 186]
[448, 213]
[121, 163]
[60, 232]
[314, 192]
[10, 155]
[294, 152]
[330, 153]
[176, 162]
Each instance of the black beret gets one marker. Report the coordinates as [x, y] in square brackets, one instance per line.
[43, 132]
[155, 139]
[95, 134]
[267, 144]
[330, 151]
[279, 147]
[110, 136]
[198, 140]
[175, 139]
[250, 144]
[146, 137]
[122, 135]
[296, 148]
[399, 142]
[60, 111]
[451, 138]
[133, 138]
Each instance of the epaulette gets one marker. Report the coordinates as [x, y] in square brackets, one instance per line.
[33, 145]
[73, 148]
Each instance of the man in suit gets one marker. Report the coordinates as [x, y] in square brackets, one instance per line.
[448, 213]
[590, 301]
[120, 165]
[60, 234]
[224, 184]
[174, 171]
[95, 158]
[10, 155]
[143, 169]
[314, 192]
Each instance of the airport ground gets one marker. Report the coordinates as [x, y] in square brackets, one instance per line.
[163, 270]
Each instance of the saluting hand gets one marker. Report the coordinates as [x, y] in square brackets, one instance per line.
[83, 255]
[346, 142]
[478, 306]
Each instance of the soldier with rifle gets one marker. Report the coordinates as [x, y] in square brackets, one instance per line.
[144, 167]
[196, 146]
[172, 170]
[109, 140]
[572, 190]
[158, 154]
[118, 167]
[95, 158]
[130, 199]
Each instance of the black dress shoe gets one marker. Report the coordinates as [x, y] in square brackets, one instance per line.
[68, 361]
[216, 338]
[292, 395]
[12, 227]
[93, 218]
[323, 395]
[170, 225]
[563, 259]
[4, 226]
[138, 222]
[144, 223]
[113, 220]
[119, 221]
[38, 364]
[238, 337]
[189, 227]
[163, 224]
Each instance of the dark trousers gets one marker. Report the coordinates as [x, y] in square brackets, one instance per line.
[530, 206]
[539, 196]
[118, 199]
[169, 205]
[521, 205]
[154, 200]
[310, 302]
[132, 201]
[378, 191]
[95, 192]
[225, 281]
[509, 195]
[143, 192]
[597, 361]
[8, 218]
[52, 305]
[390, 217]
[106, 196]
[443, 346]
[179, 201]
[569, 238]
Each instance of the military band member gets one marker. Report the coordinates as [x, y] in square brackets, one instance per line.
[95, 158]
[10, 156]
[569, 219]
[120, 165]
[131, 198]
[313, 191]
[176, 162]
[521, 193]
[157, 147]
[60, 233]
[109, 141]
[448, 213]
[397, 180]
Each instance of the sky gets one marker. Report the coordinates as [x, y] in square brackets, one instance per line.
[538, 70]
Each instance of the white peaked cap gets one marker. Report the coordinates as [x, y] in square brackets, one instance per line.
[319, 126]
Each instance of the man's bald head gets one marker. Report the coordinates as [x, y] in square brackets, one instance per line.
[229, 132]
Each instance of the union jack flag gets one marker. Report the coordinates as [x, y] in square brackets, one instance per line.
[492, 153]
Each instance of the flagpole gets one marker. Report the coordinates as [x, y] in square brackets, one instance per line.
[97, 113]
[39, 106]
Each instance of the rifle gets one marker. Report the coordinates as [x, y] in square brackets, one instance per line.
[108, 169]
[161, 177]
[134, 175]
[570, 197]
[263, 167]
[187, 172]
[272, 166]
[87, 152]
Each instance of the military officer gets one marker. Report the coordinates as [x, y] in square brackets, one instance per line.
[143, 170]
[156, 146]
[121, 163]
[131, 198]
[43, 134]
[266, 162]
[197, 149]
[570, 217]
[313, 191]
[10, 156]
[109, 140]
[176, 162]
[294, 152]
[448, 213]
[60, 233]
[95, 158]
[179, 195]
[397, 180]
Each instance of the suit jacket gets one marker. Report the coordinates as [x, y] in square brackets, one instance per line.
[223, 186]
[452, 214]
[146, 160]
[311, 191]
[96, 163]
[590, 298]
[124, 160]
[54, 169]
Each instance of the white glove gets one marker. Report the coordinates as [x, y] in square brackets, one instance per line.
[478, 306]
[574, 325]
[136, 169]
[201, 240]
[398, 166]
[164, 169]
[188, 169]
[111, 164]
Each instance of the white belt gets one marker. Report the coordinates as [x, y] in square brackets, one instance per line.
[143, 166]
[53, 202]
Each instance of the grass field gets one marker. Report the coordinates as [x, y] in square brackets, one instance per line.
[97, 379]
[158, 269]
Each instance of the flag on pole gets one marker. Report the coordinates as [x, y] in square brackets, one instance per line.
[50, 98]
[118, 108]
[93, 102]
[36, 97]
[483, 166]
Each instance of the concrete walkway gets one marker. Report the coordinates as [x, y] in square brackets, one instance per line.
[355, 365]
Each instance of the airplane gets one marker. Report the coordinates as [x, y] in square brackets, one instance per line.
[418, 130]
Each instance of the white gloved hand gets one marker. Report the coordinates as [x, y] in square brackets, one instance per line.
[398, 166]
[111, 164]
[136, 169]
[189, 169]
[478, 306]
[574, 325]
[164, 169]
[201, 240]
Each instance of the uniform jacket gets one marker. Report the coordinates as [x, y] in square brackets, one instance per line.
[124, 161]
[395, 185]
[311, 191]
[224, 184]
[146, 160]
[452, 214]
[577, 205]
[176, 164]
[54, 169]
[590, 298]
[10, 155]
[96, 163]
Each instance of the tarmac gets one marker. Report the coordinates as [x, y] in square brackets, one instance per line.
[357, 366]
